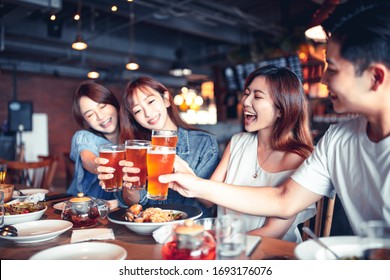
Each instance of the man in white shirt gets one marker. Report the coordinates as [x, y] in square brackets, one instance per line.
[353, 157]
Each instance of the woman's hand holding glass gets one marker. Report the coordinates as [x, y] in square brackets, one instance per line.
[106, 172]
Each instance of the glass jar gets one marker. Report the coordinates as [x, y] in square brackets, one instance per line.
[189, 241]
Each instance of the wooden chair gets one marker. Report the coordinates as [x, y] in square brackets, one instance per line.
[69, 168]
[52, 169]
[323, 219]
[35, 174]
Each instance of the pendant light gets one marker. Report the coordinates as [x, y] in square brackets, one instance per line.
[79, 44]
[131, 65]
[179, 68]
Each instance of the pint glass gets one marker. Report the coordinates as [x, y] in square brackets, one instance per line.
[160, 161]
[164, 138]
[136, 153]
[114, 153]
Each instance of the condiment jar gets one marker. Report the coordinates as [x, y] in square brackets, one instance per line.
[84, 211]
[189, 242]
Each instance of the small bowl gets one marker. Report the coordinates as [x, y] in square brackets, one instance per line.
[8, 190]
[22, 218]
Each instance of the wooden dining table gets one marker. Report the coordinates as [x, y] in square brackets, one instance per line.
[138, 247]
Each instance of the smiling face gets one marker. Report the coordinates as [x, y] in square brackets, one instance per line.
[348, 90]
[259, 108]
[150, 109]
[99, 116]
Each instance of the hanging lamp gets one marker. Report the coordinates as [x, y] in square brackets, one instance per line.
[131, 65]
[79, 44]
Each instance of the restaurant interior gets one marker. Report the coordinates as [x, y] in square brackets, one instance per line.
[201, 50]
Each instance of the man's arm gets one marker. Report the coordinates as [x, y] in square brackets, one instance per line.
[284, 201]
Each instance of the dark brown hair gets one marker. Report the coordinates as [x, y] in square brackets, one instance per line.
[130, 128]
[97, 93]
[292, 131]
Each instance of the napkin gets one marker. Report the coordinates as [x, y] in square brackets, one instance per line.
[162, 234]
[35, 197]
[92, 234]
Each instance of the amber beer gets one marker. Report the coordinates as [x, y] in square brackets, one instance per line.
[160, 161]
[136, 153]
[3, 172]
[114, 153]
[164, 138]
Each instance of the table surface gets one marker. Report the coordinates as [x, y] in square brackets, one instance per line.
[138, 247]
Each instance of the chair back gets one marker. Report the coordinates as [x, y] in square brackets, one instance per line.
[52, 169]
[69, 168]
[321, 223]
[34, 174]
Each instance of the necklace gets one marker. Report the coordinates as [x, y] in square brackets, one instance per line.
[257, 169]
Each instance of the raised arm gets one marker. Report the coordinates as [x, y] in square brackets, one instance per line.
[284, 201]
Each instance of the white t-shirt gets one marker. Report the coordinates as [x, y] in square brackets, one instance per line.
[347, 162]
[241, 168]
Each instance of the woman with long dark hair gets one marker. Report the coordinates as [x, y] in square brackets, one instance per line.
[96, 111]
[146, 105]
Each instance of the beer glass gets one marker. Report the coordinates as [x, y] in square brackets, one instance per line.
[164, 138]
[160, 161]
[114, 153]
[3, 172]
[136, 153]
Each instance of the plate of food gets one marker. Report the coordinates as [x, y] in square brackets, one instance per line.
[21, 212]
[146, 219]
[27, 192]
[346, 247]
[38, 231]
[83, 251]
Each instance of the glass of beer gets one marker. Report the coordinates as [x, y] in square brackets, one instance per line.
[114, 153]
[164, 138]
[3, 172]
[136, 153]
[160, 161]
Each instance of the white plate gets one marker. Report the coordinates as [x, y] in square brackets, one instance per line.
[28, 192]
[190, 212]
[22, 218]
[344, 246]
[38, 231]
[83, 251]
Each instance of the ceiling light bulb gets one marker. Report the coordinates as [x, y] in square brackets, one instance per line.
[79, 44]
[316, 33]
[132, 65]
[93, 74]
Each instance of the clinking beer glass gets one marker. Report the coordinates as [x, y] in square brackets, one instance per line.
[136, 153]
[164, 138]
[114, 153]
[160, 161]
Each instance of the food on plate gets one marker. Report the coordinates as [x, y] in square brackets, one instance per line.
[22, 208]
[150, 215]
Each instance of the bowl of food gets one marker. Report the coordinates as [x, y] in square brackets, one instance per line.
[145, 219]
[21, 212]
[8, 190]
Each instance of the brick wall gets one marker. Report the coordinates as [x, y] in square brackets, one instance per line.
[53, 96]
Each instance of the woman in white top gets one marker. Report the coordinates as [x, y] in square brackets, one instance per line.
[277, 141]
